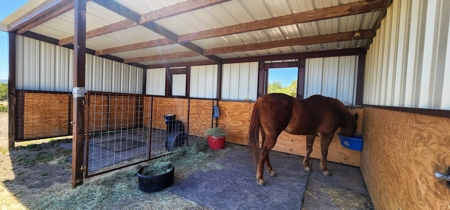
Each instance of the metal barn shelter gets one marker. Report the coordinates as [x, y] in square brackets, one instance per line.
[84, 68]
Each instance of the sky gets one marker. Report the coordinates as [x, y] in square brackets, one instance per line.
[7, 7]
[284, 75]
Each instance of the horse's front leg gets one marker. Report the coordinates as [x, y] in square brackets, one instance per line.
[309, 149]
[268, 144]
[325, 140]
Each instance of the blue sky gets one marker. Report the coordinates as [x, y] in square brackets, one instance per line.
[7, 7]
[284, 75]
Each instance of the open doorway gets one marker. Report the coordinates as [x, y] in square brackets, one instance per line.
[283, 80]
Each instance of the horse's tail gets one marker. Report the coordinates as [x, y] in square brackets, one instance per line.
[253, 131]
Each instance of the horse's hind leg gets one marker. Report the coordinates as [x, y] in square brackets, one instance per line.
[269, 168]
[309, 149]
[268, 144]
[325, 140]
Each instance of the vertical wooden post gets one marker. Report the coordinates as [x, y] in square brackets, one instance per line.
[301, 79]
[219, 81]
[168, 82]
[188, 82]
[79, 63]
[360, 80]
[12, 90]
[144, 81]
[261, 80]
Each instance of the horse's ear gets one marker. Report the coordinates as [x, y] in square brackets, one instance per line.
[356, 116]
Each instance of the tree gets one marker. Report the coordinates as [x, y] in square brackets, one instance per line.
[3, 91]
[277, 87]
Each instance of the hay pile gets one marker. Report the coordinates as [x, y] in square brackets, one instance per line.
[120, 189]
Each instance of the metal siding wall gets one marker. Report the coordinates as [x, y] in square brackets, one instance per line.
[333, 77]
[97, 74]
[156, 81]
[107, 75]
[203, 82]
[408, 64]
[179, 85]
[239, 81]
[47, 61]
[43, 66]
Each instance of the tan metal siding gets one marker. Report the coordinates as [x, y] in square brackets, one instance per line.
[179, 85]
[239, 81]
[156, 81]
[407, 63]
[43, 66]
[333, 77]
[203, 82]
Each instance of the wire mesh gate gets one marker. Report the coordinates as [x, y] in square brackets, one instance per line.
[126, 129]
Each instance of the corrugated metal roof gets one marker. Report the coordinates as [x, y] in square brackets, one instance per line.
[216, 16]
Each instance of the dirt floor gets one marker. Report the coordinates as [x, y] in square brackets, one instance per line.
[37, 174]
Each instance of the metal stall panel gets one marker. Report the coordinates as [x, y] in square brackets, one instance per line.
[333, 77]
[156, 81]
[408, 59]
[203, 81]
[179, 85]
[239, 81]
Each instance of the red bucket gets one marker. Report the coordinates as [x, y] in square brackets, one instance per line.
[216, 142]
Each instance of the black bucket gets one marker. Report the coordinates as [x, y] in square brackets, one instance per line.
[176, 139]
[169, 117]
[175, 125]
[156, 183]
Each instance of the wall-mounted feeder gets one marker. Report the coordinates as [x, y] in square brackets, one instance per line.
[353, 143]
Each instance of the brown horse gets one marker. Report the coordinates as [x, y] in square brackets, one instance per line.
[316, 115]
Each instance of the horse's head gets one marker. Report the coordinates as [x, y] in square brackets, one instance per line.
[350, 126]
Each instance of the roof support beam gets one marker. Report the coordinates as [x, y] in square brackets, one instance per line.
[185, 54]
[180, 8]
[136, 46]
[191, 63]
[337, 37]
[58, 9]
[121, 10]
[302, 17]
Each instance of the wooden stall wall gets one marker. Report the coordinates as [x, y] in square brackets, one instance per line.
[43, 115]
[235, 119]
[401, 153]
[123, 111]
[200, 116]
[162, 106]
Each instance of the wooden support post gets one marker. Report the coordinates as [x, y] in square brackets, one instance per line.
[79, 63]
[144, 81]
[301, 79]
[188, 84]
[261, 80]
[12, 90]
[168, 82]
[219, 81]
[360, 79]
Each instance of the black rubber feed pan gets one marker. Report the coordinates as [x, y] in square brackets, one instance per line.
[156, 183]
[176, 139]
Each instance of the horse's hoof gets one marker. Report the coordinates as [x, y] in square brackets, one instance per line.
[326, 173]
[260, 182]
[307, 168]
[272, 173]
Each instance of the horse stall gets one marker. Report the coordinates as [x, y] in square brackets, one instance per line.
[130, 81]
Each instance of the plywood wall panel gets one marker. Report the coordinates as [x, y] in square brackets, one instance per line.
[200, 116]
[45, 115]
[402, 151]
[162, 106]
[235, 119]
[123, 112]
